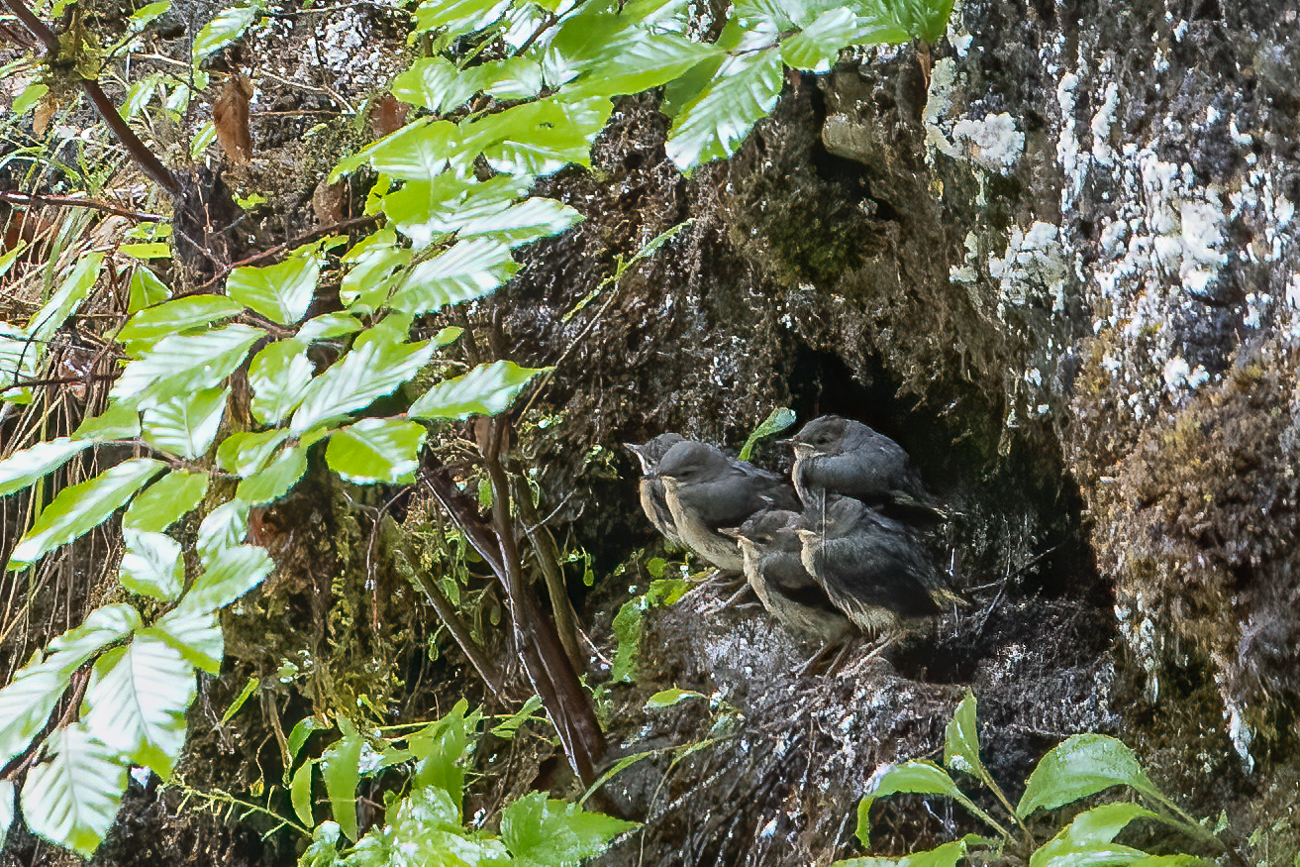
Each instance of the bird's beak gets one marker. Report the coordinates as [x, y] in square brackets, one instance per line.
[731, 532]
[802, 450]
[807, 536]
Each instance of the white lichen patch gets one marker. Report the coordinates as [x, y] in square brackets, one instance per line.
[938, 107]
[993, 142]
[1033, 268]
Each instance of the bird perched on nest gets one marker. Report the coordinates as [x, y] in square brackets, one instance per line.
[653, 497]
[706, 490]
[834, 455]
[869, 566]
[772, 554]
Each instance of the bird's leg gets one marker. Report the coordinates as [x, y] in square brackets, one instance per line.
[809, 666]
[840, 658]
[735, 597]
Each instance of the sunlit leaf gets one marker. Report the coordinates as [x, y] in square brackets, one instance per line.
[670, 697]
[340, 766]
[147, 290]
[375, 261]
[961, 750]
[541, 831]
[166, 501]
[457, 17]
[80, 508]
[278, 375]
[276, 478]
[233, 572]
[196, 635]
[175, 317]
[225, 527]
[816, 46]
[185, 363]
[744, 91]
[376, 451]
[186, 425]
[152, 565]
[643, 63]
[300, 793]
[137, 702]
[67, 298]
[466, 270]
[29, 466]
[374, 368]
[417, 153]
[1087, 839]
[8, 806]
[245, 453]
[72, 799]
[437, 84]
[224, 28]
[281, 293]
[425, 210]
[1081, 766]
[486, 390]
[328, 325]
[121, 421]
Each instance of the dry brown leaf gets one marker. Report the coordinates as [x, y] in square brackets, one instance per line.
[388, 114]
[230, 117]
[327, 201]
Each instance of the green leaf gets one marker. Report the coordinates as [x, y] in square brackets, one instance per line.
[165, 501]
[670, 697]
[66, 299]
[377, 365]
[961, 749]
[465, 271]
[301, 731]
[1081, 766]
[375, 261]
[329, 325]
[246, 453]
[1087, 839]
[437, 84]
[428, 210]
[538, 831]
[419, 152]
[816, 46]
[31, 95]
[486, 390]
[629, 624]
[376, 451]
[918, 777]
[281, 293]
[507, 728]
[539, 138]
[27, 467]
[186, 425]
[300, 794]
[152, 565]
[72, 799]
[80, 508]
[195, 635]
[7, 808]
[147, 290]
[340, 766]
[744, 91]
[511, 78]
[120, 421]
[439, 747]
[225, 527]
[643, 63]
[137, 702]
[458, 17]
[278, 375]
[181, 364]
[233, 572]
[250, 688]
[946, 855]
[225, 27]
[276, 479]
[522, 223]
[175, 317]
[102, 627]
[777, 420]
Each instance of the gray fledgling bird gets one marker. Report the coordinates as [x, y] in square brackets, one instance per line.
[868, 565]
[840, 456]
[706, 491]
[772, 553]
[653, 498]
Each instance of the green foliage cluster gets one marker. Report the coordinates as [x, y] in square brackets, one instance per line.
[455, 195]
[425, 825]
[1078, 768]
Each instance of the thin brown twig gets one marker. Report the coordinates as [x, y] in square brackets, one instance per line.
[28, 199]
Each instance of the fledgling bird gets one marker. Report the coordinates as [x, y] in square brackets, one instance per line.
[774, 568]
[653, 498]
[840, 456]
[706, 491]
[869, 566]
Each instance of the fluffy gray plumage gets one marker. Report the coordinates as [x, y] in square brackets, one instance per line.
[706, 491]
[654, 500]
[836, 455]
[868, 564]
[771, 549]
